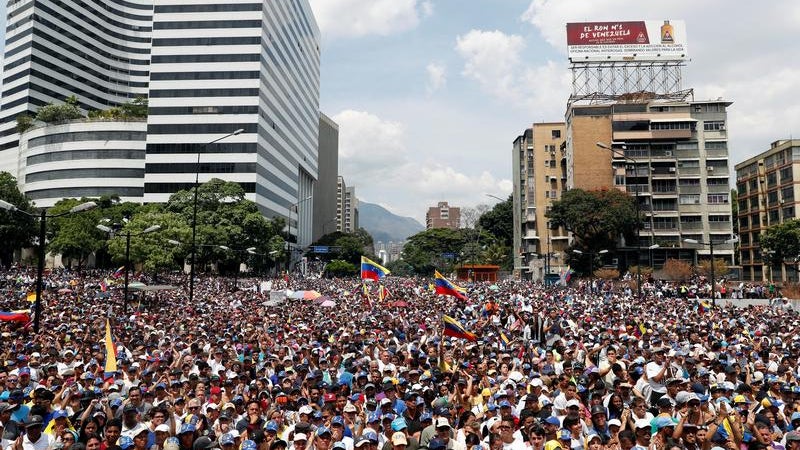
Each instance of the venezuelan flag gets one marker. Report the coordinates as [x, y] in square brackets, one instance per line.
[445, 287]
[504, 338]
[370, 270]
[454, 329]
[15, 316]
[118, 273]
[111, 353]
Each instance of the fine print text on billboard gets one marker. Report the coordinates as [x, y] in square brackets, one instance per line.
[646, 40]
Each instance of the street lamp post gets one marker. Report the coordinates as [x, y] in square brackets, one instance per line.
[710, 245]
[289, 231]
[614, 151]
[651, 248]
[194, 206]
[591, 259]
[42, 237]
[238, 251]
[128, 235]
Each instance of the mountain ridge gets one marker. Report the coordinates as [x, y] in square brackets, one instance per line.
[384, 225]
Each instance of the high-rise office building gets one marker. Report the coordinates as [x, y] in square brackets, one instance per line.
[217, 67]
[443, 216]
[539, 162]
[767, 195]
[96, 50]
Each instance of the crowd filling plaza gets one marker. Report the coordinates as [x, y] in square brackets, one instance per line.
[401, 364]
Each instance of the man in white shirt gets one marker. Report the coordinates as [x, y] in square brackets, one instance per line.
[33, 439]
[656, 371]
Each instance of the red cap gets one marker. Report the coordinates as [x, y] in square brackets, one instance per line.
[329, 397]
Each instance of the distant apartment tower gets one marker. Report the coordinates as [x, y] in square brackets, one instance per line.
[217, 67]
[672, 155]
[347, 207]
[768, 195]
[96, 50]
[325, 188]
[443, 216]
[539, 165]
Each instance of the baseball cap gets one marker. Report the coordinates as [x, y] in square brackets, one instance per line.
[399, 438]
[125, 442]
[442, 422]
[249, 445]
[436, 444]
[300, 437]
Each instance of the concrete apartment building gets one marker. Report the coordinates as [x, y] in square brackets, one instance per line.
[539, 161]
[443, 216]
[346, 207]
[767, 188]
[674, 154]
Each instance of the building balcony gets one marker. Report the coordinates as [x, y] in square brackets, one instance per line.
[690, 189]
[716, 153]
[689, 170]
[691, 226]
[720, 226]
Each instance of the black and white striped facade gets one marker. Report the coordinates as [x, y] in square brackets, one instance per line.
[97, 50]
[240, 64]
[82, 158]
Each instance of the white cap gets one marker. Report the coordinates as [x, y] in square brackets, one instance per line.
[385, 401]
[300, 437]
[399, 439]
[305, 409]
[349, 407]
[641, 423]
[163, 427]
[573, 402]
[614, 422]
[442, 422]
[537, 382]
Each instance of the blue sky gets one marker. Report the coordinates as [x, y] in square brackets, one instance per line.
[430, 94]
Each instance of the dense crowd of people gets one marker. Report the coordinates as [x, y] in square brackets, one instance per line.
[582, 367]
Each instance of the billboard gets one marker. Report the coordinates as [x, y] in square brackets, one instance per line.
[646, 40]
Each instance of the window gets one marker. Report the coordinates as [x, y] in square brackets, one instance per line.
[772, 198]
[719, 218]
[670, 126]
[753, 184]
[743, 222]
[741, 188]
[686, 146]
[717, 199]
[714, 125]
[716, 145]
[555, 134]
[689, 199]
[745, 237]
[619, 180]
[786, 174]
[772, 179]
[689, 181]
[754, 202]
[788, 212]
[787, 194]
[690, 164]
[774, 216]
[755, 220]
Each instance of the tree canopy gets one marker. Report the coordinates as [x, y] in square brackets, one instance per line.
[781, 242]
[16, 229]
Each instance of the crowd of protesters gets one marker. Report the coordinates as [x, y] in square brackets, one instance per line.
[583, 367]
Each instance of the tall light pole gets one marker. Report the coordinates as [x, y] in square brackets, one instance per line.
[710, 245]
[42, 237]
[591, 259]
[614, 151]
[128, 235]
[194, 207]
[289, 231]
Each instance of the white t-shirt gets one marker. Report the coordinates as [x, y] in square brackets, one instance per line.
[652, 369]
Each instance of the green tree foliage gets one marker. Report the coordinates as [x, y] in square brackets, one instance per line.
[74, 236]
[340, 268]
[16, 229]
[351, 246]
[24, 122]
[152, 251]
[425, 250]
[597, 219]
[226, 218]
[52, 113]
[781, 242]
[135, 109]
[499, 221]
[400, 268]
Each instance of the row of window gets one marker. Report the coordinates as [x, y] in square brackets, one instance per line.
[230, 57]
[694, 199]
[78, 192]
[205, 41]
[103, 18]
[186, 110]
[201, 168]
[71, 155]
[169, 188]
[208, 8]
[227, 75]
[80, 136]
[197, 25]
[219, 147]
[71, 174]
[222, 92]
[200, 128]
[95, 24]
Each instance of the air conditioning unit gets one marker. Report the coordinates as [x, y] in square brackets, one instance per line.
[710, 168]
[667, 152]
[672, 169]
[722, 127]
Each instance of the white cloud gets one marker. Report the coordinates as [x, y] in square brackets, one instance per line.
[437, 77]
[373, 156]
[490, 57]
[356, 18]
[755, 73]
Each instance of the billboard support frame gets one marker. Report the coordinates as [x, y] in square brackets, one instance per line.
[613, 80]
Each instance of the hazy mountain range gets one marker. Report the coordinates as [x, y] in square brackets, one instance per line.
[385, 226]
